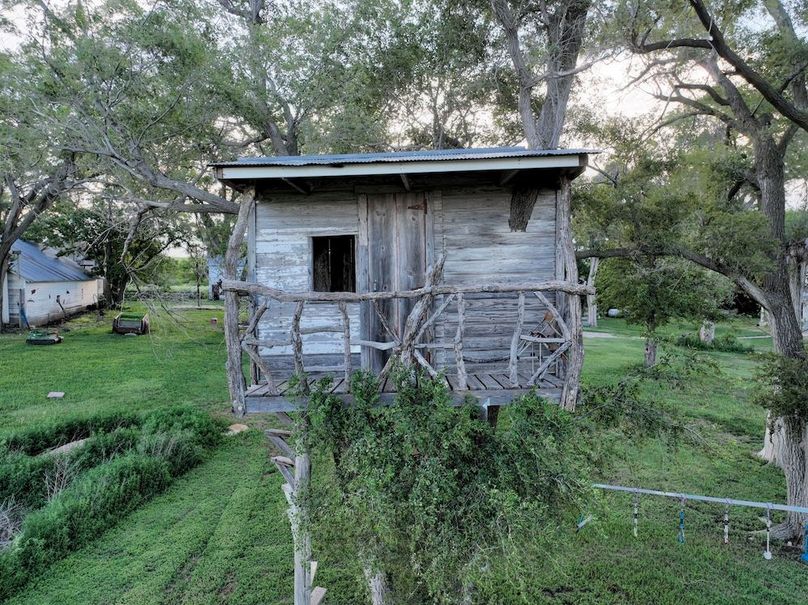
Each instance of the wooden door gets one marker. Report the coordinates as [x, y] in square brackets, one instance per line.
[394, 233]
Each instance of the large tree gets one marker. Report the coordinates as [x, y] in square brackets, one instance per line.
[743, 90]
[34, 170]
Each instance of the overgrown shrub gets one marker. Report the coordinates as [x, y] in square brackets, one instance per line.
[421, 489]
[622, 406]
[727, 343]
[80, 513]
[33, 441]
[82, 492]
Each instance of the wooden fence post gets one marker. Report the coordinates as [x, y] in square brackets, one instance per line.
[235, 375]
[566, 255]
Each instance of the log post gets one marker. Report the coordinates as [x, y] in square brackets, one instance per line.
[297, 473]
[346, 340]
[513, 362]
[297, 345]
[592, 299]
[300, 533]
[235, 375]
[566, 249]
[462, 378]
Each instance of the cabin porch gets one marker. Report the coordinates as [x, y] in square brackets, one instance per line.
[432, 336]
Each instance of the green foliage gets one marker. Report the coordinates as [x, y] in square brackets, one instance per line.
[653, 291]
[38, 438]
[81, 512]
[108, 476]
[678, 368]
[422, 488]
[622, 406]
[100, 232]
[782, 387]
[727, 343]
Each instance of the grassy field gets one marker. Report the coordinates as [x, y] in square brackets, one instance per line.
[219, 534]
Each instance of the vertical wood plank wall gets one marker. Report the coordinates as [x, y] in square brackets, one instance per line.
[470, 226]
[481, 248]
[284, 227]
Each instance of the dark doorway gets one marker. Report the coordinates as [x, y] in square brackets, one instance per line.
[334, 263]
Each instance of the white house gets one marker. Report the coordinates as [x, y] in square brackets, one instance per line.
[41, 288]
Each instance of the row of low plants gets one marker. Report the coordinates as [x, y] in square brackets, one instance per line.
[62, 501]
[726, 343]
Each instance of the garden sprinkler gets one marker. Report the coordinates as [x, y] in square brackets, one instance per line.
[582, 521]
[726, 524]
[635, 514]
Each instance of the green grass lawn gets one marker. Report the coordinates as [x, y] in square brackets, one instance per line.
[219, 534]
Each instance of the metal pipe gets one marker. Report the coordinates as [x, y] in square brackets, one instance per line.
[679, 496]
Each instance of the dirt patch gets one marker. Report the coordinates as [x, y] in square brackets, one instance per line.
[235, 429]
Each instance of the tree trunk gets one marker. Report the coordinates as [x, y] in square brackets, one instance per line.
[568, 270]
[378, 589]
[235, 375]
[787, 435]
[565, 32]
[650, 352]
[5, 261]
[592, 299]
[793, 453]
[707, 332]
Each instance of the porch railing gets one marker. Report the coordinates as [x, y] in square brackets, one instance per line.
[408, 345]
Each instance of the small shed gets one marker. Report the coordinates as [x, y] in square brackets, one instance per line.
[41, 288]
[459, 260]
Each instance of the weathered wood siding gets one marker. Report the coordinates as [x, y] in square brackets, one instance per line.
[284, 226]
[472, 230]
[469, 226]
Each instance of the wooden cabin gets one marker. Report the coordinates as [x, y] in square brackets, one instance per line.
[459, 261]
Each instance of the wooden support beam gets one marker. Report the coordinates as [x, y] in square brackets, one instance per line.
[255, 357]
[513, 361]
[405, 181]
[547, 362]
[286, 467]
[248, 288]
[346, 339]
[506, 177]
[304, 189]
[279, 439]
[297, 343]
[236, 383]
[381, 346]
[462, 378]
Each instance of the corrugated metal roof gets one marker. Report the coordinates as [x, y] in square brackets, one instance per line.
[35, 266]
[402, 156]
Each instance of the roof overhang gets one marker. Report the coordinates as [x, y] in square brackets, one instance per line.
[574, 162]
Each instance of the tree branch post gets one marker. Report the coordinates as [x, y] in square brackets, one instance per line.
[569, 267]
[235, 374]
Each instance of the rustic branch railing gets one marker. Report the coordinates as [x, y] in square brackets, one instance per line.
[409, 346]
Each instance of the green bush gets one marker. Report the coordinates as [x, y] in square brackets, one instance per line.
[110, 475]
[79, 514]
[36, 440]
[22, 477]
[422, 488]
[727, 343]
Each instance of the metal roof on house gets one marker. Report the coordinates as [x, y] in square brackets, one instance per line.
[425, 162]
[402, 156]
[34, 265]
